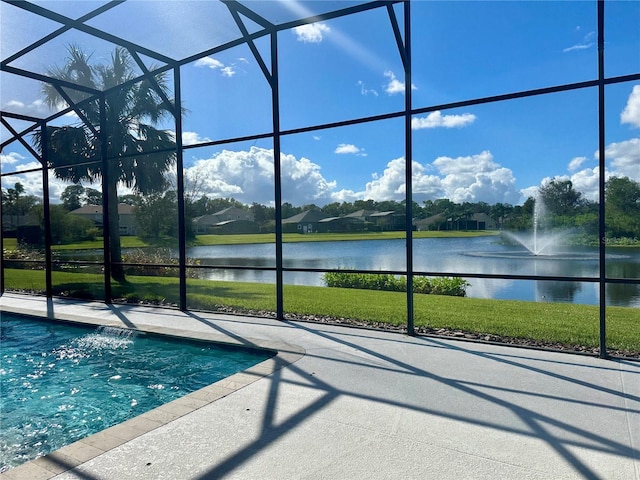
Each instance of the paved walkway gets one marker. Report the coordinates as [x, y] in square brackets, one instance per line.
[363, 404]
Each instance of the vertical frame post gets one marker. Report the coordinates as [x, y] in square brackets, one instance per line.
[46, 210]
[1, 247]
[408, 135]
[277, 173]
[182, 225]
[601, 183]
[106, 227]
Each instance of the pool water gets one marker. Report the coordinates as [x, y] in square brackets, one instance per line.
[61, 382]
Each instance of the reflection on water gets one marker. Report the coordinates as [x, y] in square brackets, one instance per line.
[454, 256]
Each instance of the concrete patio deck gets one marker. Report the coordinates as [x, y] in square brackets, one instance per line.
[369, 404]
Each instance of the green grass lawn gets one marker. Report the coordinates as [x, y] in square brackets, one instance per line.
[562, 323]
[203, 240]
[207, 240]
[127, 242]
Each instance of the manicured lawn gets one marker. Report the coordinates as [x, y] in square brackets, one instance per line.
[562, 323]
[206, 240]
[127, 242]
[328, 237]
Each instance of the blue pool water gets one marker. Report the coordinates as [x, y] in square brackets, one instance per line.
[62, 382]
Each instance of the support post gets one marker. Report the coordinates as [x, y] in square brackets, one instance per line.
[106, 227]
[182, 225]
[46, 210]
[601, 183]
[277, 174]
[408, 134]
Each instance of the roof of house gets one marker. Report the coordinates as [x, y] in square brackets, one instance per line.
[228, 210]
[438, 217]
[361, 214]
[237, 222]
[123, 209]
[210, 219]
[383, 214]
[306, 216]
[481, 216]
[342, 219]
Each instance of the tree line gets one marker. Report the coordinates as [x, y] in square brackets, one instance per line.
[156, 213]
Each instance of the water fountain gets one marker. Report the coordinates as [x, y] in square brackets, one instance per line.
[539, 242]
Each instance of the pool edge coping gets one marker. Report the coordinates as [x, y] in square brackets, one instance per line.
[83, 450]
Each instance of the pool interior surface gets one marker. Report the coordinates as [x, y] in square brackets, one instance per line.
[62, 382]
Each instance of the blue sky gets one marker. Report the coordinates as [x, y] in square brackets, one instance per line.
[350, 67]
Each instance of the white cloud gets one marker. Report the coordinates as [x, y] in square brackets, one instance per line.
[587, 42]
[228, 71]
[247, 176]
[631, 112]
[10, 159]
[394, 86]
[623, 160]
[624, 157]
[215, 64]
[473, 179]
[209, 62]
[35, 108]
[529, 192]
[345, 148]
[476, 178]
[311, 33]
[576, 163]
[366, 91]
[32, 165]
[32, 182]
[586, 182]
[436, 119]
[192, 138]
[388, 186]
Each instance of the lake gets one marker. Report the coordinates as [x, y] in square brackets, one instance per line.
[453, 256]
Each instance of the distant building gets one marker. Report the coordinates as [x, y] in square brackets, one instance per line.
[205, 224]
[305, 222]
[484, 222]
[434, 222]
[234, 213]
[227, 221]
[12, 222]
[477, 221]
[341, 224]
[229, 227]
[388, 220]
[126, 216]
[363, 215]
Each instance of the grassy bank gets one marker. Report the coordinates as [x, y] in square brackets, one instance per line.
[203, 240]
[560, 323]
[207, 240]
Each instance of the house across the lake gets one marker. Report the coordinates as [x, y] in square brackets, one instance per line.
[126, 214]
[227, 221]
[477, 221]
[304, 222]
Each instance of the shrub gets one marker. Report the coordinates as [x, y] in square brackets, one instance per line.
[24, 257]
[155, 262]
[452, 286]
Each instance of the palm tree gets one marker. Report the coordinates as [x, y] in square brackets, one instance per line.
[138, 154]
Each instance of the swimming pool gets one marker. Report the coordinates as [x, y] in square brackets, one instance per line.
[61, 382]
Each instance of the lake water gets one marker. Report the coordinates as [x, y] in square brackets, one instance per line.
[453, 256]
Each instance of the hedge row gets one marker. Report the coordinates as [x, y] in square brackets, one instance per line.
[452, 286]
